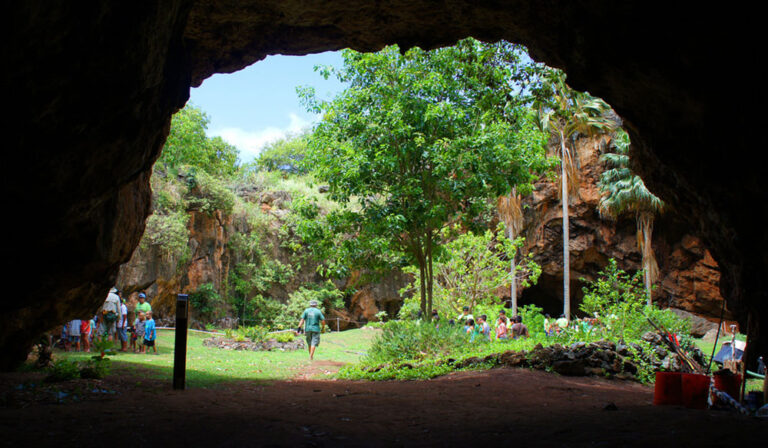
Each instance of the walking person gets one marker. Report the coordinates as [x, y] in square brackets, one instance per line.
[313, 321]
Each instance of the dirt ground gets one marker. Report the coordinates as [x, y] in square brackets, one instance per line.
[511, 406]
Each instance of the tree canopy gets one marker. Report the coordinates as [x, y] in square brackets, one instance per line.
[188, 144]
[423, 139]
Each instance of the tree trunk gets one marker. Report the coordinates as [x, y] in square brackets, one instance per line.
[566, 237]
[429, 274]
[645, 224]
[513, 282]
[422, 289]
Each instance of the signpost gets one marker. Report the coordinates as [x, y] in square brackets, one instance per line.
[180, 348]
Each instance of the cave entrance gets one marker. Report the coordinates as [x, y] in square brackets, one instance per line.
[547, 293]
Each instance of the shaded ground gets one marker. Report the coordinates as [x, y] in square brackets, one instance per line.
[502, 405]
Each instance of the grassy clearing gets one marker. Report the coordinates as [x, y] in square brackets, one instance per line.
[208, 366]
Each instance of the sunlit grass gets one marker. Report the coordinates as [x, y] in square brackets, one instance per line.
[208, 366]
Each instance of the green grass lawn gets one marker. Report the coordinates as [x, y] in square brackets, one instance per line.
[208, 366]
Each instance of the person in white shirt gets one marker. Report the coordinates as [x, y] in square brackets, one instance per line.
[110, 313]
[122, 324]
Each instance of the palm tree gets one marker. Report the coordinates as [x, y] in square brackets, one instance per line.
[511, 213]
[624, 192]
[566, 114]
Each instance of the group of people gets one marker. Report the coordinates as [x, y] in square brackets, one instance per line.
[112, 322]
[506, 327]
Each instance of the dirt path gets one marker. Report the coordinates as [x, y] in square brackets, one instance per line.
[509, 406]
[317, 369]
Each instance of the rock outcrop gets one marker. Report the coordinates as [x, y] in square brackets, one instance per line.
[95, 86]
[211, 259]
[689, 276]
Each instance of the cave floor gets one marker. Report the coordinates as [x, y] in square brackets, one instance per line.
[502, 405]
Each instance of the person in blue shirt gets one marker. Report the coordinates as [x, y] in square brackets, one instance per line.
[150, 333]
[313, 321]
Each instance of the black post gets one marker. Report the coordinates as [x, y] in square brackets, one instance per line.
[180, 348]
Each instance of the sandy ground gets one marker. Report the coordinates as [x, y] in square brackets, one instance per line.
[510, 406]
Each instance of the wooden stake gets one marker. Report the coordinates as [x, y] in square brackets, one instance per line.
[180, 347]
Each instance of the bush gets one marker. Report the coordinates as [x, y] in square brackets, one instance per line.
[411, 340]
[168, 231]
[206, 301]
[618, 301]
[285, 336]
[254, 333]
[327, 295]
[63, 370]
[208, 194]
[96, 368]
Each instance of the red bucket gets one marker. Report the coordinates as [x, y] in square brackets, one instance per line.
[730, 384]
[668, 388]
[695, 390]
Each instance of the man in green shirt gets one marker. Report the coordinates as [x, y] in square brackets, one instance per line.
[143, 306]
[312, 320]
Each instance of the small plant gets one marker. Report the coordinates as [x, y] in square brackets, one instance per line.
[63, 370]
[284, 337]
[95, 368]
[103, 345]
[255, 333]
[381, 316]
[229, 333]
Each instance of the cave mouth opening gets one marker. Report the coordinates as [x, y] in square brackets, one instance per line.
[547, 294]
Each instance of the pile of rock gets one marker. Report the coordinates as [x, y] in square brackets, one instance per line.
[603, 358]
[268, 345]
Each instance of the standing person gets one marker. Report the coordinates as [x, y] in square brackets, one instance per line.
[143, 306]
[150, 333]
[85, 334]
[73, 332]
[313, 321]
[110, 312]
[122, 325]
[138, 332]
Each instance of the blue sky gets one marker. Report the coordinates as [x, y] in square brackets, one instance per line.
[259, 104]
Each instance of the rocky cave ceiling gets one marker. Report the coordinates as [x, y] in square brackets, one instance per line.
[91, 87]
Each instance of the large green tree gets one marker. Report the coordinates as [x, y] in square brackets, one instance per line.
[567, 114]
[188, 144]
[623, 192]
[423, 139]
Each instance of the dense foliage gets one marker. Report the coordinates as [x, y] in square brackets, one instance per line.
[422, 139]
[469, 271]
[423, 348]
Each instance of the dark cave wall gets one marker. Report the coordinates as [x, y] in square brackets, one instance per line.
[94, 85]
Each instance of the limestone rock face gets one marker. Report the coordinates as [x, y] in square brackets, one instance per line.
[163, 278]
[95, 86]
[689, 276]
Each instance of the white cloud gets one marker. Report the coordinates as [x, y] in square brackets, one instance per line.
[250, 143]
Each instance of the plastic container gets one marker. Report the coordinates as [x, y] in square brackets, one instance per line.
[668, 389]
[695, 390]
[730, 384]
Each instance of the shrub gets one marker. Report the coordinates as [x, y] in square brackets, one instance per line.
[285, 336]
[63, 370]
[409, 340]
[618, 301]
[327, 295]
[208, 194]
[206, 301]
[95, 368]
[254, 333]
